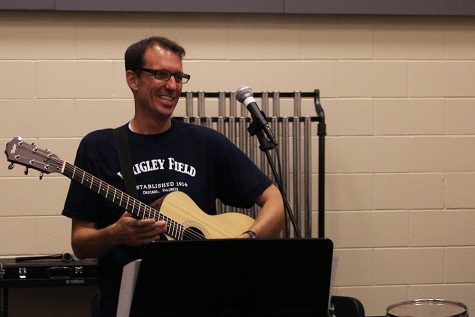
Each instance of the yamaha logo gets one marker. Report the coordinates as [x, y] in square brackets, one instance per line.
[75, 282]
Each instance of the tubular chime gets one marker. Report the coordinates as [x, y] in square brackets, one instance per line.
[293, 133]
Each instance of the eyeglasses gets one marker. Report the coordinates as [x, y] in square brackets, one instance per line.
[163, 74]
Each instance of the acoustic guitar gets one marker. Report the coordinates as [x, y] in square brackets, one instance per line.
[185, 220]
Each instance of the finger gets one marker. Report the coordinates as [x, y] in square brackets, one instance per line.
[143, 226]
[151, 232]
[145, 222]
[127, 214]
[147, 239]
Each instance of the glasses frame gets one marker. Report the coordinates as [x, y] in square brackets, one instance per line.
[184, 77]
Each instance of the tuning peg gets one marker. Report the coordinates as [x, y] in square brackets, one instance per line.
[11, 166]
[41, 175]
[26, 170]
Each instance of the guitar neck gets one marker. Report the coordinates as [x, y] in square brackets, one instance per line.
[134, 206]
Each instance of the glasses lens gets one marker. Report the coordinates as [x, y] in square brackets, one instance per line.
[162, 74]
[182, 78]
[179, 78]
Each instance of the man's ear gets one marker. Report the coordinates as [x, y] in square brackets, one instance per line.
[132, 79]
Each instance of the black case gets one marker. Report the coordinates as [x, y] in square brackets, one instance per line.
[49, 272]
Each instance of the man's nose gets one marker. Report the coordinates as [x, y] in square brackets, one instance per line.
[171, 82]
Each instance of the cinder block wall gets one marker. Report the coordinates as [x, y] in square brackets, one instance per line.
[399, 96]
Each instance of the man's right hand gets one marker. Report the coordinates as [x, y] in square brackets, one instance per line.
[90, 242]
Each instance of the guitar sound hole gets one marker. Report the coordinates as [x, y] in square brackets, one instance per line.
[193, 233]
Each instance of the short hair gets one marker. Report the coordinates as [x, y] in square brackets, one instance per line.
[134, 55]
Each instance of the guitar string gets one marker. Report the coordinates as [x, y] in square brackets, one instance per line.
[94, 181]
[171, 224]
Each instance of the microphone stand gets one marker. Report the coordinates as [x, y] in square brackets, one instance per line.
[266, 144]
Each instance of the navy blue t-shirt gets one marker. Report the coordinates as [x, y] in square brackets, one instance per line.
[198, 161]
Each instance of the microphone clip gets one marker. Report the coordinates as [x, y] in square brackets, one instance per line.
[258, 128]
[259, 125]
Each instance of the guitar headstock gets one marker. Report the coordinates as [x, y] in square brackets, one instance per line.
[26, 154]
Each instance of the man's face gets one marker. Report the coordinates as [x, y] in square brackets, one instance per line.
[157, 98]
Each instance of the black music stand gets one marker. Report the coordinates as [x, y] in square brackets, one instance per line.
[237, 277]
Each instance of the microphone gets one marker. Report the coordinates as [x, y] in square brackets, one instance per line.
[244, 95]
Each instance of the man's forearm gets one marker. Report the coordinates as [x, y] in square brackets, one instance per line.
[270, 219]
[90, 242]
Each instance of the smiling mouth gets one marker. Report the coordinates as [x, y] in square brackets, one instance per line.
[168, 98]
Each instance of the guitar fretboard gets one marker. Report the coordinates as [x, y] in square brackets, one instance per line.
[137, 208]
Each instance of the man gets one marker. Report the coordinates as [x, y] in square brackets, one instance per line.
[167, 155]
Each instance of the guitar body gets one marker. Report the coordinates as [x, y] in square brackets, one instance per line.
[182, 209]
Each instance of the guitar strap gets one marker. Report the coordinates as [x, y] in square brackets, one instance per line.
[123, 150]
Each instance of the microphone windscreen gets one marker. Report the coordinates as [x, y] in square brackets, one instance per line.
[243, 92]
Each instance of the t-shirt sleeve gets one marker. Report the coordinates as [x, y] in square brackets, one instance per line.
[82, 202]
[239, 180]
